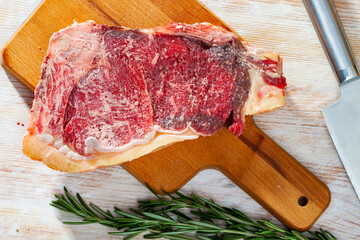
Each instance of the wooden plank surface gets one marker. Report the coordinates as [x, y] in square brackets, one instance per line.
[298, 127]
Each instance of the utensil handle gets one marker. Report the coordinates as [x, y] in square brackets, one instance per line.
[326, 21]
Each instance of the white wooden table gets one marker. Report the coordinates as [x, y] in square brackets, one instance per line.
[27, 187]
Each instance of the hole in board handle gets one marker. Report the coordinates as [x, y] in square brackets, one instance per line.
[303, 201]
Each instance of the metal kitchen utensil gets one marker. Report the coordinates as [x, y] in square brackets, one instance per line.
[343, 117]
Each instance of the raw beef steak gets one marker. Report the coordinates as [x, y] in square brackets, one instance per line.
[106, 89]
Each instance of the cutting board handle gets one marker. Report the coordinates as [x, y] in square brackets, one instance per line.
[280, 184]
[254, 162]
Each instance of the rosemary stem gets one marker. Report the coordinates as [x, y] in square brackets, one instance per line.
[162, 218]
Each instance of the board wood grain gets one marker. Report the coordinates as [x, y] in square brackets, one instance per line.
[254, 162]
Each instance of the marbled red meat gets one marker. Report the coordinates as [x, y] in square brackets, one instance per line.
[193, 83]
[104, 89]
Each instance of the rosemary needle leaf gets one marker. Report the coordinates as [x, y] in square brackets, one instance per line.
[60, 207]
[73, 201]
[126, 215]
[77, 223]
[240, 214]
[299, 235]
[99, 210]
[157, 217]
[182, 195]
[204, 238]
[132, 236]
[326, 234]
[176, 232]
[153, 192]
[122, 220]
[177, 237]
[181, 215]
[212, 204]
[167, 194]
[174, 208]
[204, 224]
[125, 233]
[109, 213]
[62, 202]
[165, 218]
[329, 235]
[272, 226]
[88, 209]
[152, 236]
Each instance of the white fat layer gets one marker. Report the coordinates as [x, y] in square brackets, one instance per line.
[92, 144]
[182, 137]
[272, 74]
[174, 133]
[75, 156]
[198, 133]
[47, 138]
[64, 149]
[58, 143]
[162, 130]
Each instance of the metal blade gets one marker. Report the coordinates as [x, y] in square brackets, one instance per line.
[343, 122]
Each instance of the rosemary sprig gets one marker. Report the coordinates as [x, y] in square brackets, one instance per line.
[166, 217]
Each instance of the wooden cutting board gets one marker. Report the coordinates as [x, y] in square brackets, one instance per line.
[254, 162]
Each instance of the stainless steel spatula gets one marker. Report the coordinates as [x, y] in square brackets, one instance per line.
[343, 117]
